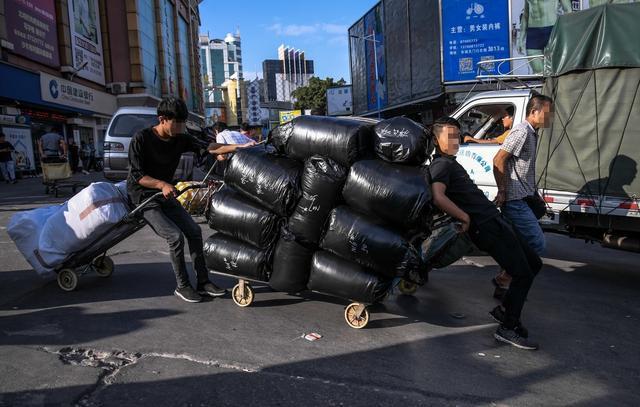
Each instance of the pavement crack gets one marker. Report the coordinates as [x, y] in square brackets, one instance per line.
[213, 363]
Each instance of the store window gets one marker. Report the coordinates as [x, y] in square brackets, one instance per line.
[185, 66]
[167, 11]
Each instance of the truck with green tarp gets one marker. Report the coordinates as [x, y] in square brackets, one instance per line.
[587, 161]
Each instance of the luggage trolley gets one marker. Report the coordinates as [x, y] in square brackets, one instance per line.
[94, 257]
[56, 174]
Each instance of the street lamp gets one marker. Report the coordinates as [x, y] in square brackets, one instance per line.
[372, 37]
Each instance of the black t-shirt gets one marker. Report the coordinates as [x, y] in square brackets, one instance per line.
[150, 155]
[461, 189]
[6, 155]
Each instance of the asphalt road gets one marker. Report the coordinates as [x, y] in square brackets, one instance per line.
[127, 341]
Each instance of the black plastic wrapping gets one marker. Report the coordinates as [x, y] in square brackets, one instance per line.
[234, 215]
[227, 255]
[322, 181]
[354, 237]
[291, 265]
[397, 194]
[279, 136]
[269, 179]
[341, 278]
[343, 140]
[400, 140]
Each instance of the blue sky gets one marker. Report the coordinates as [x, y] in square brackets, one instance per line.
[317, 27]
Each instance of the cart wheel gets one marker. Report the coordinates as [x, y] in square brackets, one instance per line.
[103, 266]
[356, 315]
[407, 287]
[242, 298]
[67, 279]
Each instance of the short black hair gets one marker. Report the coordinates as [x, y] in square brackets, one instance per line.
[537, 101]
[441, 123]
[219, 126]
[173, 108]
[510, 110]
[245, 127]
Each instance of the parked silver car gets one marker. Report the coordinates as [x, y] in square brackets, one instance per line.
[126, 122]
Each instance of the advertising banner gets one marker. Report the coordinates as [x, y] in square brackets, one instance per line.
[473, 32]
[375, 57]
[288, 115]
[339, 101]
[86, 39]
[31, 28]
[67, 93]
[20, 138]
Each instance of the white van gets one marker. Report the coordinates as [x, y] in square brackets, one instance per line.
[126, 122]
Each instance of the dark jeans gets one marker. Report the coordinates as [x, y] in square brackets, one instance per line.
[170, 221]
[509, 248]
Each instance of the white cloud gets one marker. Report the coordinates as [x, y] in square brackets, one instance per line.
[251, 75]
[297, 30]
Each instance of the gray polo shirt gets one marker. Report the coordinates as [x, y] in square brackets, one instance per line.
[51, 143]
[521, 143]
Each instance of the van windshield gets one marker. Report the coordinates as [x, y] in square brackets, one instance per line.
[126, 125]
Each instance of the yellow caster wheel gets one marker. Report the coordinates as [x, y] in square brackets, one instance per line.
[103, 266]
[67, 279]
[356, 315]
[242, 294]
[407, 288]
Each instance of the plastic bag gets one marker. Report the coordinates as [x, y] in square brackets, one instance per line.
[25, 229]
[227, 255]
[80, 221]
[341, 278]
[400, 140]
[322, 181]
[343, 140]
[271, 180]
[291, 265]
[236, 216]
[356, 238]
[396, 194]
[445, 246]
[279, 136]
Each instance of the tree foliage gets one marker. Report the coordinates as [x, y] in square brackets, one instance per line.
[314, 95]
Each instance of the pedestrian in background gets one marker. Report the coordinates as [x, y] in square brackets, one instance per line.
[74, 155]
[50, 145]
[514, 171]
[7, 165]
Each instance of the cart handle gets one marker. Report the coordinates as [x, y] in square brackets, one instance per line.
[159, 194]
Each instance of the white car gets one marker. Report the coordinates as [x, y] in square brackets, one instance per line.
[126, 122]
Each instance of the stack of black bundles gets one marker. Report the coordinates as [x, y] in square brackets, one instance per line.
[262, 188]
[322, 182]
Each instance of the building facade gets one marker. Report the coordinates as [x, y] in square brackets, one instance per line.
[221, 61]
[77, 61]
[284, 75]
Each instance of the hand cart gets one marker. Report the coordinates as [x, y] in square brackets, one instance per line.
[56, 174]
[94, 257]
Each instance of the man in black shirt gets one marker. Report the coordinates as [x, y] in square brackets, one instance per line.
[154, 154]
[456, 194]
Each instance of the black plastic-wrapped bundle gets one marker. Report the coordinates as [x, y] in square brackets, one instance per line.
[340, 139]
[234, 215]
[399, 195]
[400, 140]
[225, 254]
[279, 136]
[341, 278]
[291, 265]
[267, 178]
[322, 181]
[354, 237]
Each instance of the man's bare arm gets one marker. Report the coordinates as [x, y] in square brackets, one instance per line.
[217, 148]
[445, 204]
[499, 173]
[152, 183]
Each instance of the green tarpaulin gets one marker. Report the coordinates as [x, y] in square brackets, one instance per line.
[601, 37]
[593, 146]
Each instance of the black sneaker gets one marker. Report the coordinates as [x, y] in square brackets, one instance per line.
[211, 289]
[498, 315]
[512, 337]
[188, 294]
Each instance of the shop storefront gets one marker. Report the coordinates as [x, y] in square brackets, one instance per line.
[34, 103]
